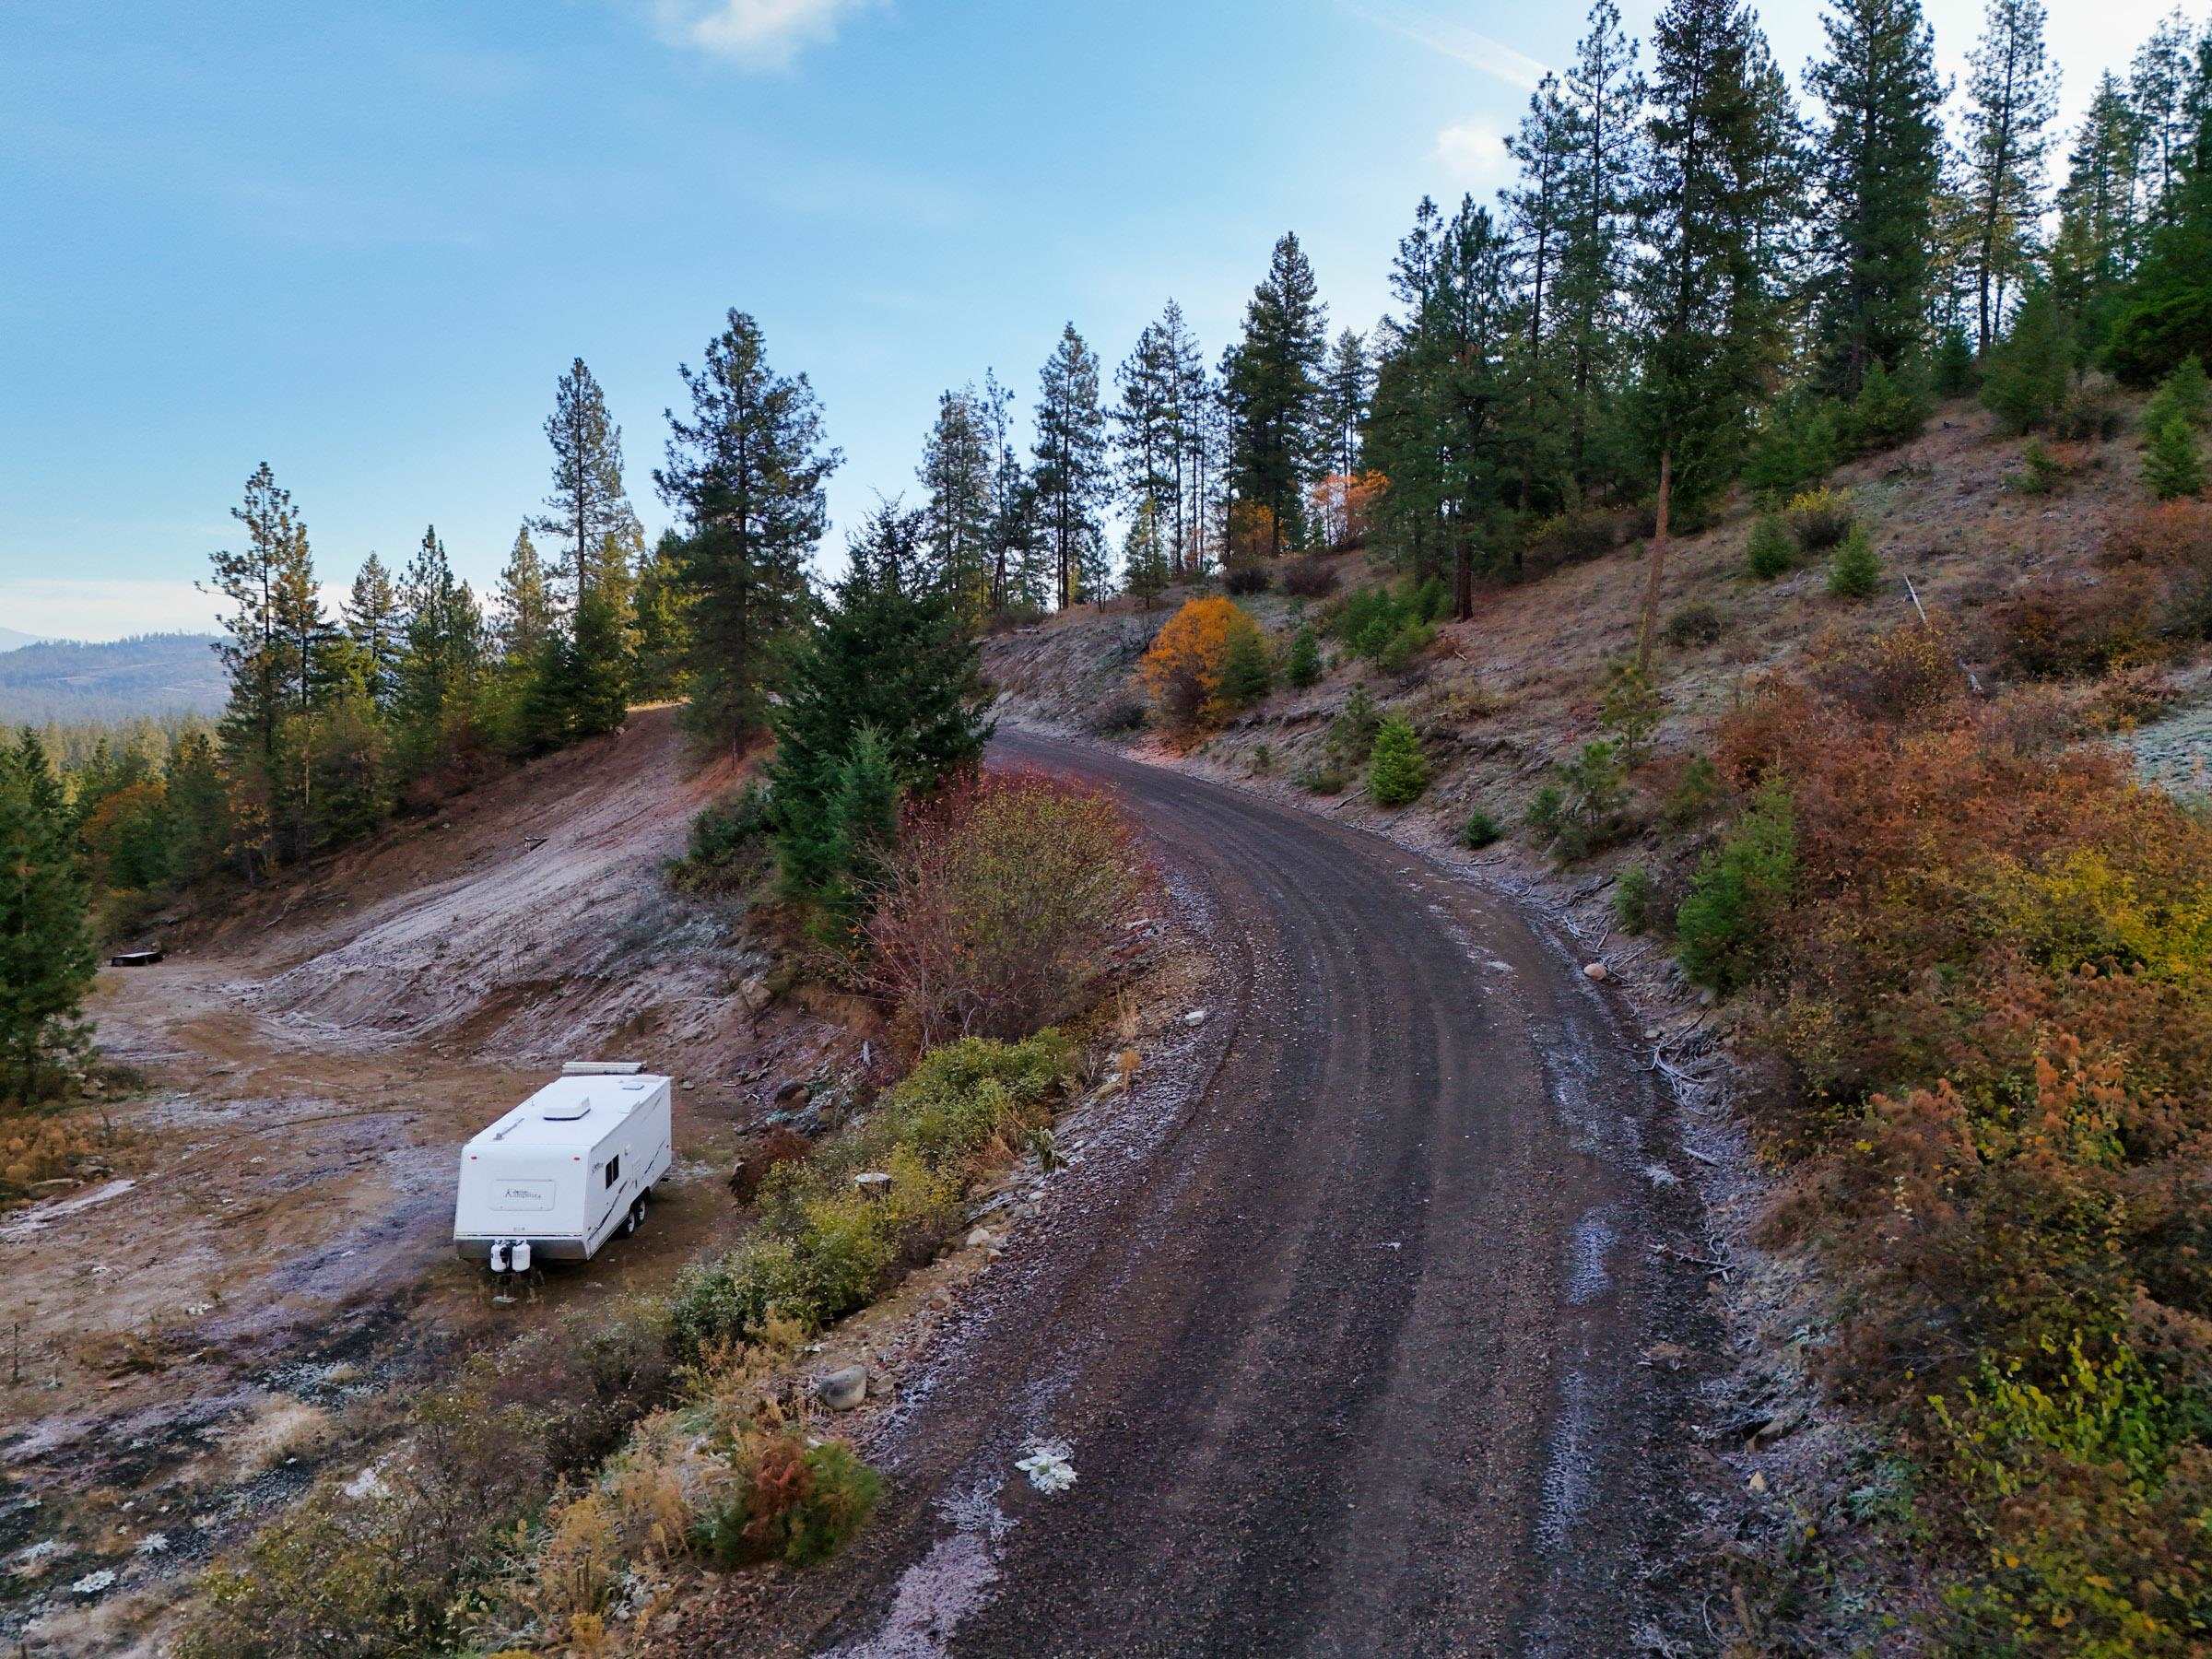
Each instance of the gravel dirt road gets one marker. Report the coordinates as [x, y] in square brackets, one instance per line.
[1351, 1354]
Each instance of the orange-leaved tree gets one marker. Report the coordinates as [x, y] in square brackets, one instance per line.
[1183, 671]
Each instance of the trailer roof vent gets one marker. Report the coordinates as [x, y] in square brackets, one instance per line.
[567, 1112]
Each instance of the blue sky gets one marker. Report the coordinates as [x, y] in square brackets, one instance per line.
[361, 241]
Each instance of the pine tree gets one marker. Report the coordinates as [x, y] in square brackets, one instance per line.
[1879, 163]
[46, 956]
[1349, 383]
[955, 471]
[2172, 464]
[1440, 426]
[1606, 94]
[1144, 559]
[746, 471]
[1953, 368]
[1194, 435]
[198, 804]
[1722, 176]
[662, 614]
[1539, 210]
[1854, 569]
[891, 656]
[1397, 770]
[372, 623]
[588, 502]
[2030, 374]
[1070, 477]
[2159, 85]
[1302, 666]
[1272, 388]
[279, 655]
[1247, 670]
[523, 605]
[2101, 215]
[2185, 392]
[1143, 431]
[445, 642]
[2012, 94]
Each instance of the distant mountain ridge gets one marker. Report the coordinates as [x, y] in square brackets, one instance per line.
[12, 639]
[66, 681]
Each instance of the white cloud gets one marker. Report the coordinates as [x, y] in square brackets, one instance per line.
[758, 34]
[1474, 152]
[1455, 41]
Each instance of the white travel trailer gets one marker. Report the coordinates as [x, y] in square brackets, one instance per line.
[565, 1170]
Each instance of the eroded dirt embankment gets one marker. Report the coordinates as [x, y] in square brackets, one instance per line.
[274, 1240]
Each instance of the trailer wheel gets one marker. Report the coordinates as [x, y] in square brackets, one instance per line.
[636, 1218]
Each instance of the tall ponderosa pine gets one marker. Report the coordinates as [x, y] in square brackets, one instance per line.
[2012, 93]
[1722, 182]
[1070, 476]
[1605, 92]
[1879, 162]
[1194, 429]
[2101, 217]
[1347, 389]
[1144, 422]
[746, 471]
[1440, 425]
[1272, 389]
[588, 503]
[1540, 207]
[955, 471]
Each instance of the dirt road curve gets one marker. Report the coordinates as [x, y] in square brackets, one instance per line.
[1346, 1358]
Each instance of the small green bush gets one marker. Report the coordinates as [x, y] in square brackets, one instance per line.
[1405, 647]
[1855, 571]
[1820, 518]
[1954, 366]
[1794, 447]
[1247, 669]
[1323, 780]
[728, 846]
[1352, 733]
[1695, 624]
[1303, 668]
[1586, 808]
[2039, 473]
[823, 1247]
[2172, 466]
[1398, 772]
[1771, 551]
[1694, 796]
[1721, 927]
[2185, 393]
[1633, 896]
[792, 1502]
[1480, 831]
[1891, 409]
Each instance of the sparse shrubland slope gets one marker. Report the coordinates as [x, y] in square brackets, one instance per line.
[1961, 956]
[1498, 699]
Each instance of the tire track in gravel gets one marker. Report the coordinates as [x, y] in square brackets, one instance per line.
[1347, 1356]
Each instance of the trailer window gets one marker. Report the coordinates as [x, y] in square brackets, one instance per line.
[614, 1167]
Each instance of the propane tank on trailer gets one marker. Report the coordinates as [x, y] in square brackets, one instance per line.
[519, 1258]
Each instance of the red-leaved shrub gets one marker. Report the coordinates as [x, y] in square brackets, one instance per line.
[1003, 906]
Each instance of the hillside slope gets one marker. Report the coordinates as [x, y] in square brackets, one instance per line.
[313, 1054]
[64, 681]
[1511, 692]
